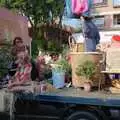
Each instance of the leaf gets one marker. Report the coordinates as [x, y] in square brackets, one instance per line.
[5, 59]
[49, 1]
[87, 69]
[37, 12]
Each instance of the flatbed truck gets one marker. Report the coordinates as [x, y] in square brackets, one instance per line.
[68, 104]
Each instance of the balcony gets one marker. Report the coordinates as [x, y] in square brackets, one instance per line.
[100, 3]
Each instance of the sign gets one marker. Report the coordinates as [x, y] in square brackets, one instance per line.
[116, 3]
[107, 36]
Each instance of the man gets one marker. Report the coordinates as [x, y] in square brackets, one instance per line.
[90, 33]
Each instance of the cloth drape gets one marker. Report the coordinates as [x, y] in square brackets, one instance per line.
[79, 6]
[68, 9]
[82, 7]
[87, 13]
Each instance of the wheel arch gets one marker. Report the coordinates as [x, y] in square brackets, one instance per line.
[92, 109]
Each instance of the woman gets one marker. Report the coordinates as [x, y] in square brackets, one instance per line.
[90, 33]
[23, 73]
[18, 46]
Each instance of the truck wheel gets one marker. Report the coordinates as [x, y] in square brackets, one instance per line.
[82, 116]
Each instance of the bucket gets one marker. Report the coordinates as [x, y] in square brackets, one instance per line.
[58, 79]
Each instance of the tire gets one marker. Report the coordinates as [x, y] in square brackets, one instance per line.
[82, 116]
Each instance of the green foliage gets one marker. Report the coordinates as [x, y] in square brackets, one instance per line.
[87, 69]
[54, 47]
[62, 65]
[34, 49]
[65, 51]
[5, 59]
[37, 12]
[47, 72]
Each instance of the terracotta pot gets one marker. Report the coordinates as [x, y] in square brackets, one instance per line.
[87, 86]
[78, 58]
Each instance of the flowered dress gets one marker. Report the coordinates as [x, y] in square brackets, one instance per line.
[23, 73]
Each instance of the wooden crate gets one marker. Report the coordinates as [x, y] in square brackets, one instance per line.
[79, 58]
[113, 60]
[114, 90]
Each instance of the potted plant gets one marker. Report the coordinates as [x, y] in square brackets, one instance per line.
[86, 70]
[59, 70]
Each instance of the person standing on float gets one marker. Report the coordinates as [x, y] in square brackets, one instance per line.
[90, 30]
[90, 33]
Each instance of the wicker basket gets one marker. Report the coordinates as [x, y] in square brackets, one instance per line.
[75, 47]
[80, 57]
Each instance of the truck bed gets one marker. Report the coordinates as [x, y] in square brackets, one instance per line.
[76, 96]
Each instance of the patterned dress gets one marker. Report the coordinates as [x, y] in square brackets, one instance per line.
[24, 73]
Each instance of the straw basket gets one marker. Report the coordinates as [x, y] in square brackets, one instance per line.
[78, 58]
[75, 47]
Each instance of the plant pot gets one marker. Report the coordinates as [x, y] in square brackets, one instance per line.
[87, 86]
[79, 58]
[58, 79]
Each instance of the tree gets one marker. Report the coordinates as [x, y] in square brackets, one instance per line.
[5, 58]
[37, 12]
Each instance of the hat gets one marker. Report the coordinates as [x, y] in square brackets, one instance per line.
[87, 15]
[116, 38]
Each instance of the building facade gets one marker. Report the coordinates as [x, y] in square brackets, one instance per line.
[107, 14]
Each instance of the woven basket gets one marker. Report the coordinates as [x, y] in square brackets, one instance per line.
[79, 58]
[75, 47]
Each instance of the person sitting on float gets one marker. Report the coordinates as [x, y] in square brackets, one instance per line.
[17, 47]
[23, 73]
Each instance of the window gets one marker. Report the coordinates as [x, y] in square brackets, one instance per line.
[116, 19]
[99, 21]
[99, 2]
[116, 3]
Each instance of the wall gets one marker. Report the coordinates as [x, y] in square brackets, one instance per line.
[106, 9]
